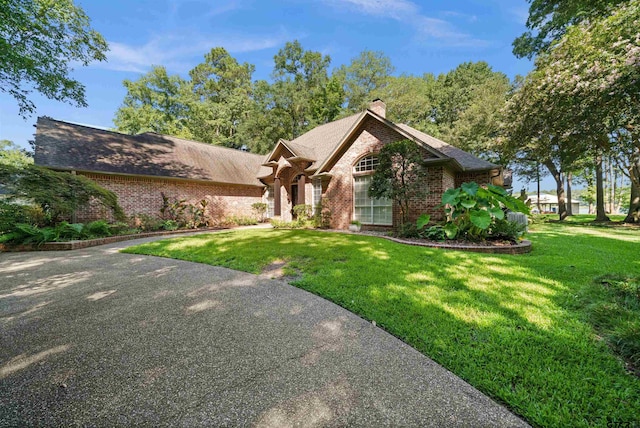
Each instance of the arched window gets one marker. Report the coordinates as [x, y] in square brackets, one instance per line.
[367, 163]
[368, 210]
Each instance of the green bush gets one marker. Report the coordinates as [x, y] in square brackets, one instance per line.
[59, 194]
[67, 231]
[433, 233]
[303, 212]
[505, 229]
[322, 216]
[260, 209]
[471, 210]
[170, 225]
[295, 224]
[121, 228]
[236, 220]
[97, 229]
[407, 230]
[146, 223]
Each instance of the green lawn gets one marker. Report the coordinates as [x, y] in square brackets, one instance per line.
[536, 331]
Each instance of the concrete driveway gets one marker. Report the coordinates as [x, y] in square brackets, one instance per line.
[98, 338]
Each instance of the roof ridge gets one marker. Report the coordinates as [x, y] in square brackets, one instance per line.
[201, 142]
[333, 122]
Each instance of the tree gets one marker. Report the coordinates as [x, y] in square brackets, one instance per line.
[156, 102]
[40, 41]
[300, 88]
[219, 98]
[400, 175]
[533, 130]
[584, 91]
[367, 73]
[456, 91]
[12, 155]
[549, 20]
[411, 100]
[478, 126]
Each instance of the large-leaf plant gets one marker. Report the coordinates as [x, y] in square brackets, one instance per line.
[472, 209]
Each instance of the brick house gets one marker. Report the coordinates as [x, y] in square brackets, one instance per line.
[333, 162]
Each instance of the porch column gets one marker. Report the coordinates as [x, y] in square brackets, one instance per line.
[301, 181]
[276, 197]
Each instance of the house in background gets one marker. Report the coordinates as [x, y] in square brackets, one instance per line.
[549, 204]
[333, 162]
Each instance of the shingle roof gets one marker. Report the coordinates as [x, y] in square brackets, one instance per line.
[62, 145]
[322, 140]
[466, 160]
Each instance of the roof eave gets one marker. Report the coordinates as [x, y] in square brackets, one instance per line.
[157, 177]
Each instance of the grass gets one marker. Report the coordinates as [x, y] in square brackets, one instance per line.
[537, 332]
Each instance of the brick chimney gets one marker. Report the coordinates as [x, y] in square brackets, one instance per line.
[378, 107]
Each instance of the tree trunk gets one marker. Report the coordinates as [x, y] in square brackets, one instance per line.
[612, 185]
[538, 180]
[601, 215]
[559, 178]
[633, 216]
[569, 205]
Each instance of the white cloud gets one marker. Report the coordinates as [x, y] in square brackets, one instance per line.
[179, 53]
[380, 7]
[409, 12]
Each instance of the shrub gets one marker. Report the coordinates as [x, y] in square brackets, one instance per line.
[505, 229]
[65, 231]
[59, 194]
[322, 216]
[170, 225]
[121, 228]
[240, 220]
[303, 212]
[260, 209]
[471, 210]
[407, 230]
[295, 224]
[97, 229]
[146, 222]
[433, 233]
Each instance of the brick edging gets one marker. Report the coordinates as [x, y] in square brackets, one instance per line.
[522, 247]
[76, 245]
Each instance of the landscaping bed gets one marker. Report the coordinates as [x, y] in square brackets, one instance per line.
[486, 247]
[86, 243]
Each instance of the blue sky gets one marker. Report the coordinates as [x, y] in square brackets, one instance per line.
[419, 36]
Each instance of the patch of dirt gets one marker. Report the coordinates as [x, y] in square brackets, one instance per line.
[276, 270]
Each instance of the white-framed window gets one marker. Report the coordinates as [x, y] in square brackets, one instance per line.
[317, 194]
[270, 202]
[367, 163]
[369, 210]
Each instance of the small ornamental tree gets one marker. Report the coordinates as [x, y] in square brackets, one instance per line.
[59, 194]
[400, 175]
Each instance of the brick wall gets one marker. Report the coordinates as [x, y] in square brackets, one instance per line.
[482, 178]
[142, 195]
[371, 140]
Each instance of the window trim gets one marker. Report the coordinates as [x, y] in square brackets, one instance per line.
[367, 173]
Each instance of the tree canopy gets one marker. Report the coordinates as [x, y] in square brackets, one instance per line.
[583, 96]
[12, 155]
[549, 20]
[40, 41]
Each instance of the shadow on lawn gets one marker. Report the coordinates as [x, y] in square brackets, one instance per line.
[507, 324]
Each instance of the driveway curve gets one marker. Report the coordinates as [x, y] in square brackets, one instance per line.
[95, 337]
